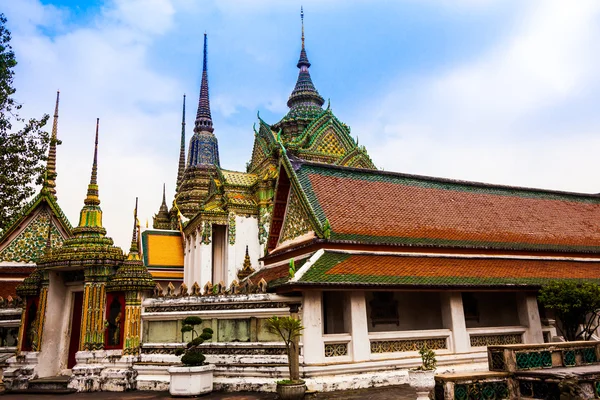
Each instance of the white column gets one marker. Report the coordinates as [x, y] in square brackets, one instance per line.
[453, 318]
[529, 316]
[192, 259]
[355, 318]
[188, 277]
[198, 258]
[312, 320]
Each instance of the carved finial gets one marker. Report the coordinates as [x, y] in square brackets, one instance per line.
[196, 289]
[183, 290]
[170, 290]
[158, 290]
[247, 269]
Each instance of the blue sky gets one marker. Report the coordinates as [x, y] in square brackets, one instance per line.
[499, 91]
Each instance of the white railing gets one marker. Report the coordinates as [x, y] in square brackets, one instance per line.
[337, 345]
[408, 343]
[495, 336]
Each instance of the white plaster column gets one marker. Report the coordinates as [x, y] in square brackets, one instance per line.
[188, 272]
[198, 257]
[355, 318]
[312, 320]
[58, 310]
[529, 316]
[453, 318]
[192, 258]
[205, 264]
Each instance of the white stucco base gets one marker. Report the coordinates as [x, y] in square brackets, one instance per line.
[20, 370]
[103, 370]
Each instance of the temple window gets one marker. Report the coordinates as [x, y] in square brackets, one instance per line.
[490, 309]
[219, 236]
[333, 313]
[403, 311]
[115, 320]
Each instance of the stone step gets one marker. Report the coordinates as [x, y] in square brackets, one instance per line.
[50, 385]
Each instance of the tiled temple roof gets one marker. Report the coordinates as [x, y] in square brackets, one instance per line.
[375, 207]
[341, 268]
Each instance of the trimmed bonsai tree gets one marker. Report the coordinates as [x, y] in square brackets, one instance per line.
[576, 306]
[290, 330]
[192, 354]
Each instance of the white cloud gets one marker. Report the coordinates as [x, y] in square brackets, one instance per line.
[102, 70]
[487, 119]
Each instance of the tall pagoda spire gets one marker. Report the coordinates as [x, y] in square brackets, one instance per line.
[181, 168]
[304, 93]
[50, 179]
[91, 214]
[204, 148]
[203, 117]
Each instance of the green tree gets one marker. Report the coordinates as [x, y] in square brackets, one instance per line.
[290, 330]
[576, 305]
[22, 151]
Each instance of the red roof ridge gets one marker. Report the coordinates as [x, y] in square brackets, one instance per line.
[298, 163]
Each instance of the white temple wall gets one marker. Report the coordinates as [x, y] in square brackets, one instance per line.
[246, 234]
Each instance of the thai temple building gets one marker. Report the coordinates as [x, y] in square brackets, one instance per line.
[375, 264]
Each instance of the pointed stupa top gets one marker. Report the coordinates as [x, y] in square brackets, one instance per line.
[204, 147]
[134, 248]
[203, 117]
[50, 178]
[181, 167]
[89, 247]
[161, 220]
[132, 275]
[303, 58]
[304, 94]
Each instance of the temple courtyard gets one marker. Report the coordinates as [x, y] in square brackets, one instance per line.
[399, 392]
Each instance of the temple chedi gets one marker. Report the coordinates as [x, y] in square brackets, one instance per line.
[203, 153]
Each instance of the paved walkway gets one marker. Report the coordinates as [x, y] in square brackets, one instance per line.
[401, 392]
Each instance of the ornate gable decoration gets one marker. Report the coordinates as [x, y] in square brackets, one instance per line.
[264, 143]
[327, 140]
[29, 244]
[296, 222]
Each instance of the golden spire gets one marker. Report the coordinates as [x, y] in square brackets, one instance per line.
[50, 177]
[91, 214]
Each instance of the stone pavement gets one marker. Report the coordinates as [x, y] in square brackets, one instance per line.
[400, 392]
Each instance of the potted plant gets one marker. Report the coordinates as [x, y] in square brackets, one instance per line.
[195, 376]
[290, 330]
[422, 378]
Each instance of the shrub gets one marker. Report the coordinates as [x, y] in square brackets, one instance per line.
[576, 305]
[290, 330]
[192, 355]
[428, 361]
